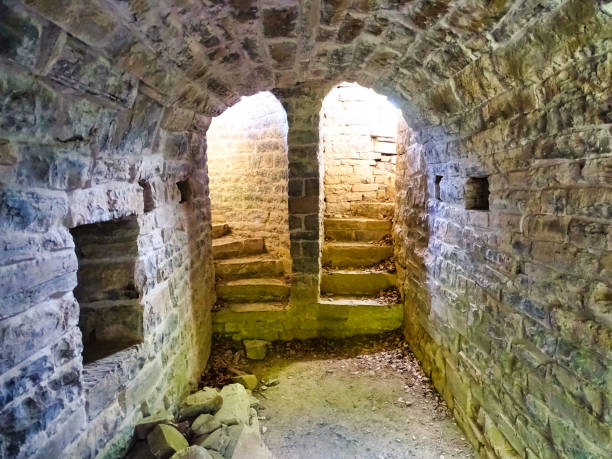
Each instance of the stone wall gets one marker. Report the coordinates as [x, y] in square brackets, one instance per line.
[508, 308]
[303, 105]
[248, 171]
[81, 140]
[358, 141]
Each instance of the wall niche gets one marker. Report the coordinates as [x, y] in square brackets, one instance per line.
[477, 193]
[110, 311]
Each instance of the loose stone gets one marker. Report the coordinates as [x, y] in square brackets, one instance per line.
[248, 381]
[192, 452]
[207, 400]
[165, 440]
[255, 349]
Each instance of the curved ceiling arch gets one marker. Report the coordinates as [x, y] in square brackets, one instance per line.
[434, 59]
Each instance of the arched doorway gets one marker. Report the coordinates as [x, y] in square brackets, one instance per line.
[358, 136]
[248, 171]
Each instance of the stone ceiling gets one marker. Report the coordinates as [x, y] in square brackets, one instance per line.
[444, 56]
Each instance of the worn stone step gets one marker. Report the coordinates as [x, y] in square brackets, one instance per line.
[357, 229]
[269, 306]
[354, 254]
[353, 282]
[373, 209]
[231, 247]
[252, 290]
[240, 268]
[220, 230]
[350, 300]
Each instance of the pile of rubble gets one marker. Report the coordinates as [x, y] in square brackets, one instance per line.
[211, 424]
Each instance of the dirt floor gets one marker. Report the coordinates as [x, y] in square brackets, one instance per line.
[363, 398]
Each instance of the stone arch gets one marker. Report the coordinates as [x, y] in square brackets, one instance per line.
[516, 92]
[248, 172]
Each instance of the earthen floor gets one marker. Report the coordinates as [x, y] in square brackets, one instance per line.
[362, 398]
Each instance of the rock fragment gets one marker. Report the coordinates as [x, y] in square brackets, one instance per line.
[145, 425]
[205, 424]
[165, 440]
[236, 404]
[192, 452]
[207, 400]
[255, 349]
[248, 381]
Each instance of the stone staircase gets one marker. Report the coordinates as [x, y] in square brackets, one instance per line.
[253, 294]
[247, 277]
[356, 262]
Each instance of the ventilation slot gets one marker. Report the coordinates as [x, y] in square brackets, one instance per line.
[147, 195]
[437, 187]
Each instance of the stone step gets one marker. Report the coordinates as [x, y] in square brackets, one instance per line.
[231, 247]
[354, 254]
[252, 290]
[353, 282]
[220, 230]
[357, 229]
[349, 300]
[240, 268]
[373, 209]
[270, 306]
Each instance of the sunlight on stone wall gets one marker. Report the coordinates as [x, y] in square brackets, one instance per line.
[248, 169]
[358, 132]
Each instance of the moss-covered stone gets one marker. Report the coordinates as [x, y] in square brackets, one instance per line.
[165, 440]
[353, 282]
[354, 254]
[252, 290]
[207, 400]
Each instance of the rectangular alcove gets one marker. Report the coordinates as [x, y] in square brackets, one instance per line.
[477, 193]
[110, 316]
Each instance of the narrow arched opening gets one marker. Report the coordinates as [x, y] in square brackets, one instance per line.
[248, 173]
[358, 151]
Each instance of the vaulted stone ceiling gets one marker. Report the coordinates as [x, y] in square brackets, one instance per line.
[441, 56]
[507, 309]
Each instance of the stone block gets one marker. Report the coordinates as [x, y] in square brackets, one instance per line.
[304, 205]
[146, 424]
[283, 54]
[192, 452]
[207, 400]
[255, 349]
[165, 440]
[280, 22]
[235, 408]
[205, 424]
[237, 268]
[231, 247]
[252, 290]
[76, 66]
[248, 381]
[30, 110]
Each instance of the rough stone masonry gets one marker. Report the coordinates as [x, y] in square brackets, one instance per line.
[503, 214]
